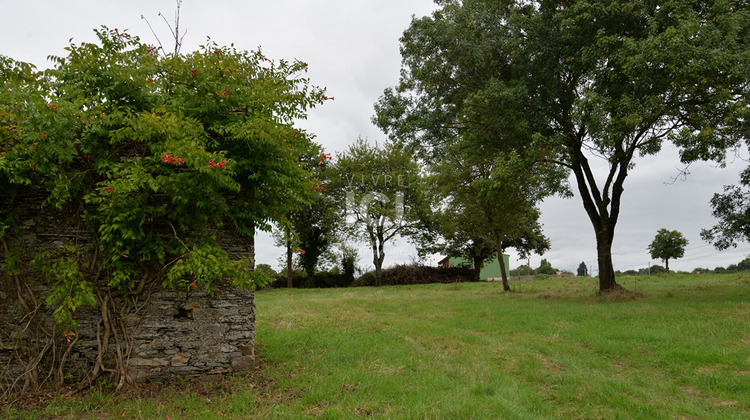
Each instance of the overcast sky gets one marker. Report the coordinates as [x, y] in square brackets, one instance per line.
[352, 50]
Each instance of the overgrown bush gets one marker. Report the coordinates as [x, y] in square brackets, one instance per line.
[417, 274]
[324, 279]
[657, 269]
[153, 157]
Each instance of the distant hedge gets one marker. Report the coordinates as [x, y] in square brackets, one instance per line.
[300, 280]
[416, 274]
[400, 274]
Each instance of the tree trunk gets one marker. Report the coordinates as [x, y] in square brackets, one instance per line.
[378, 253]
[378, 272]
[501, 261]
[503, 269]
[602, 209]
[606, 268]
[251, 246]
[251, 239]
[381, 258]
[666, 262]
[377, 259]
[478, 262]
[288, 259]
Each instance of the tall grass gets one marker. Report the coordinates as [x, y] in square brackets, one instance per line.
[678, 347]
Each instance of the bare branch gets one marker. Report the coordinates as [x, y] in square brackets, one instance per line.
[154, 33]
[174, 31]
[682, 175]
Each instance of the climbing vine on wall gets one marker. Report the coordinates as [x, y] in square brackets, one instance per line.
[153, 156]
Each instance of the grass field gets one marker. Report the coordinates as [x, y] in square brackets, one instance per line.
[552, 348]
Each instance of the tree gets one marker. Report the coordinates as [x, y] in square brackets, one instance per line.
[312, 228]
[744, 265]
[488, 203]
[348, 259]
[464, 220]
[268, 270]
[383, 194]
[733, 211]
[545, 268]
[667, 244]
[607, 80]
[522, 270]
[154, 158]
[316, 228]
[462, 232]
[489, 189]
[318, 225]
[508, 198]
[654, 269]
[583, 271]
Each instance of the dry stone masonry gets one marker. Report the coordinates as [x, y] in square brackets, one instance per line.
[193, 333]
[181, 331]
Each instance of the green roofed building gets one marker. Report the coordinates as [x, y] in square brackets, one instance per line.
[490, 269]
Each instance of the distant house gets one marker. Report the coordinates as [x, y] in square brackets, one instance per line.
[490, 269]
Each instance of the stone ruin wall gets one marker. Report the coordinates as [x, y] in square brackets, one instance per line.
[187, 334]
[176, 332]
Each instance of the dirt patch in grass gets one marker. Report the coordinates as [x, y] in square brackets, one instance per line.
[552, 294]
[349, 388]
[380, 368]
[319, 409]
[207, 386]
[27, 402]
[704, 287]
[619, 294]
[284, 323]
[552, 367]
[714, 369]
[362, 412]
[700, 394]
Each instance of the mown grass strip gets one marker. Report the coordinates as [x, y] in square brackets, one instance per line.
[680, 347]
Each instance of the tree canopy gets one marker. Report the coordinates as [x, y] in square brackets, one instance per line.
[585, 81]
[732, 208]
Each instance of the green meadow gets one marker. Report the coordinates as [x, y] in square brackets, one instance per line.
[673, 346]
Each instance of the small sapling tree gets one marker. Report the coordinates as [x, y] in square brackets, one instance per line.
[667, 244]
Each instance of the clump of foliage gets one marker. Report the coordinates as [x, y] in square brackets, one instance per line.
[340, 275]
[583, 271]
[317, 280]
[545, 267]
[416, 274]
[154, 158]
[522, 270]
[732, 209]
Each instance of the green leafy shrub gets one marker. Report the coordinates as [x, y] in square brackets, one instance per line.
[155, 158]
[658, 269]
